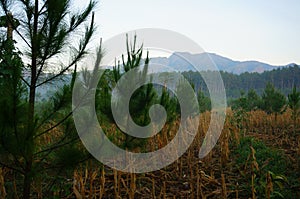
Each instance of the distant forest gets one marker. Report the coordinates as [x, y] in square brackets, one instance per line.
[282, 78]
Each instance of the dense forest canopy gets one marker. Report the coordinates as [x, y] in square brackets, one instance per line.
[282, 78]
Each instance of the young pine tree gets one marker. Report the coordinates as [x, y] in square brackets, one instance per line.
[248, 102]
[240, 103]
[253, 100]
[294, 104]
[47, 29]
[204, 102]
[170, 104]
[142, 98]
[273, 101]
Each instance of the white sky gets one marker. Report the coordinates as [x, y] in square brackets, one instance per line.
[267, 31]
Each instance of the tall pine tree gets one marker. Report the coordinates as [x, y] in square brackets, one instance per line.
[46, 28]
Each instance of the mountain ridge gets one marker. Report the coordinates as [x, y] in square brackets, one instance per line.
[208, 61]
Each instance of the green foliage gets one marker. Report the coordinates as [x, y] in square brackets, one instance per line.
[248, 102]
[273, 101]
[12, 104]
[281, 78]
[294, 104]
[240, 118]
[32, 132]
[142, 99]
[170, 104]
[268, 160]
[240, 103]
[190, 105]
[68, 157]
[253, 100]
[103, 97]
[294, 99]
[204, 102]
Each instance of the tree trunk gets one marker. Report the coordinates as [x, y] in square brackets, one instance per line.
[27, 180]
[29, 143]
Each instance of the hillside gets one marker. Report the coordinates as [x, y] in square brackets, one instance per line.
[205, 60]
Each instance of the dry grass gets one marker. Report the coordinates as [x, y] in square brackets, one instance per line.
[2, 187]
[190, 177]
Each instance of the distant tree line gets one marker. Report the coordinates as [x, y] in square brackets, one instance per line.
[282, 78]
[272, 101]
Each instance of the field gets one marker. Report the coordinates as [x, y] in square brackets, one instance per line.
[255, 157]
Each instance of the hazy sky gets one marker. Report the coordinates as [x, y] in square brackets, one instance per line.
[267, 31]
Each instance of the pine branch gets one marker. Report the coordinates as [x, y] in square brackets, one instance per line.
[11, 167]
[4, 6]
[82, 47]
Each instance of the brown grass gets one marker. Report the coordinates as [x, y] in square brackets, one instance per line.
[189, 177]
[211, 177]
